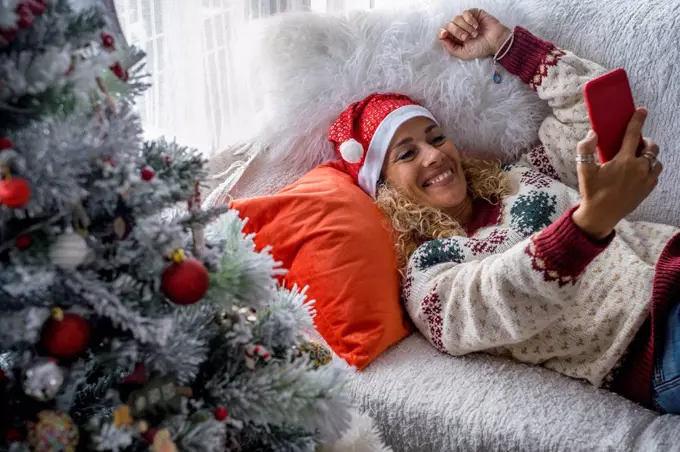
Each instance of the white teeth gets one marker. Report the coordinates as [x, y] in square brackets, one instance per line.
[439, 178]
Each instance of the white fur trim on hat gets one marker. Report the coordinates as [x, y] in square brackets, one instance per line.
[351, 151]
[370, 170]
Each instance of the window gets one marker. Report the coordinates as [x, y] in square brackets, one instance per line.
[194, 97]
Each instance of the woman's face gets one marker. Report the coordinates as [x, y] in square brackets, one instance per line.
[422, 162]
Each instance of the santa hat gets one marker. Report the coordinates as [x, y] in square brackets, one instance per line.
[363, 133]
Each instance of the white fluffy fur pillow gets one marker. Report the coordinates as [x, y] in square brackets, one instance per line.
[304, 69]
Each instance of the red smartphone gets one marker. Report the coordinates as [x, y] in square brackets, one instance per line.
[610, 105]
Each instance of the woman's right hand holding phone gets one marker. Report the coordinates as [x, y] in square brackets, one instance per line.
[611, 191]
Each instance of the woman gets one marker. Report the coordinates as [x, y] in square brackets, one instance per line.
[514, 261]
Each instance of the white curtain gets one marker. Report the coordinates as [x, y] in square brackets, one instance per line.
[194, 96]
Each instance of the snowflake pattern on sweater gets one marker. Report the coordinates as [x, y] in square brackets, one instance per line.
[532, 286]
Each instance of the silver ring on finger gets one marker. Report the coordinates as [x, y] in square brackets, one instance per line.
[651, 158]
[585, 158]
[654, 150]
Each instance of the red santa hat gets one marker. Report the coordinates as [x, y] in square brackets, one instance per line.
[363, 133]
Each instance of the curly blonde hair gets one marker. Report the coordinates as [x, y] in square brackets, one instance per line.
[414, 224]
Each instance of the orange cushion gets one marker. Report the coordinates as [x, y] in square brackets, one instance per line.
[332, 237]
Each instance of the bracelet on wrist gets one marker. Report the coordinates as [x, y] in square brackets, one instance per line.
[503, 50]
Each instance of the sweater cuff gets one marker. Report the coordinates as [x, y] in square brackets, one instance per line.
[528, 56]
[563, 251]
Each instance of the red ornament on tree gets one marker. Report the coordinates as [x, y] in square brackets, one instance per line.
[23, 241]
[36, 7]
[167, 159]
[148, 174]
[5, 143]
[185, 281]
[14, 192]
[65, 335]
[108, 41]
[221, 413]
[14, 435]
[120, 72]
[149, 435]
[9, 34]
[25, 15]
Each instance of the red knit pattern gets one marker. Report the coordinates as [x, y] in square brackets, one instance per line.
[541, 162]
[536, 179]
[360, 121]
[488, 245]
[633, 379]
[432, 308]
[530, 57]
[562, 251]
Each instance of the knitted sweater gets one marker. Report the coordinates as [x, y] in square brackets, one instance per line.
[526, 282]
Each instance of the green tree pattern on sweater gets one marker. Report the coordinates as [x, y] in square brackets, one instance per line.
[436, 252]
[533, 212]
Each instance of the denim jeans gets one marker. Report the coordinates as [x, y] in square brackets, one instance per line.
[666, 384]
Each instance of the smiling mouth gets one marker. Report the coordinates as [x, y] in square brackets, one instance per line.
[443, 179]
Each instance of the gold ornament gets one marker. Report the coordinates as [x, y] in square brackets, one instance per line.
[57, 314]
[53, 431]
[122, 416]
[318, 354]
[178, 256]
[162, 442]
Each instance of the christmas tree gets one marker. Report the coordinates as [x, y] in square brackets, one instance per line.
[125, 324]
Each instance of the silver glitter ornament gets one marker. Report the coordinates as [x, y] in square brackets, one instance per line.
[43, 379]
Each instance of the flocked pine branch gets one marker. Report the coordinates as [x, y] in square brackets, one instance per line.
[245, 276]
[287, 393]
[277, 439]
[286, 317]
[116, 322]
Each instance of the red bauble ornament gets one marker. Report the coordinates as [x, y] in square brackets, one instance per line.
[138, 376]
[185, 282]
[148, 174]
[66, 338]
[120, 72]
[25, 15]
[23, 241]
[9, 34]
[14, 435]
[149, 435]
[221, 413]
[14, 192]
[5, 143]
[108, 41]
[36, 7]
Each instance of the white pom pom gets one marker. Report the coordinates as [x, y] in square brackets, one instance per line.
[351, 151]
[69, 251]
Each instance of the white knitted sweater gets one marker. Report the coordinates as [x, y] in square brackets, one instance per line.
[531, 285]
